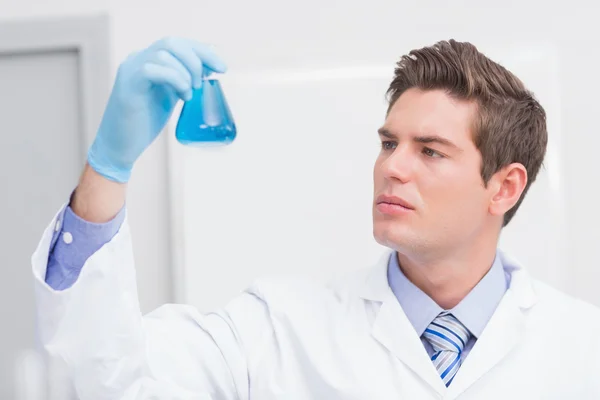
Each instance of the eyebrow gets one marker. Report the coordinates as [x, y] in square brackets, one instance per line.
[421, 139]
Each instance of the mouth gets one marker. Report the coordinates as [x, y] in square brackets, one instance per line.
[393, 205]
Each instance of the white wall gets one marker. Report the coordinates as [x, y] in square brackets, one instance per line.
[255, 35]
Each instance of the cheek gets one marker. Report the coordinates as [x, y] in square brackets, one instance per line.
[470, 206]
[454, 193]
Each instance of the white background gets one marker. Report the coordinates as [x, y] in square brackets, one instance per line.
[259, 36]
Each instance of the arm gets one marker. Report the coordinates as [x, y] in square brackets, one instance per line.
[95, 325]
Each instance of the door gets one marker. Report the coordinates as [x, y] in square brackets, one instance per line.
[42, 145]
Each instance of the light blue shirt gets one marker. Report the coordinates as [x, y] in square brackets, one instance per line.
[474, 311]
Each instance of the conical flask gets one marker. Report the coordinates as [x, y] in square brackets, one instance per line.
[206, 119]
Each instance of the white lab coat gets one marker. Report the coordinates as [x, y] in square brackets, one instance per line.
[292, 339]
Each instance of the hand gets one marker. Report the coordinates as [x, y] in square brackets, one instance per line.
[149, 84]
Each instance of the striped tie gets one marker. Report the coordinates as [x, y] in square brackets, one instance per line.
[448, 338]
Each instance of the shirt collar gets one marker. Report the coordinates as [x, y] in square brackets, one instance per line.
[474, 311]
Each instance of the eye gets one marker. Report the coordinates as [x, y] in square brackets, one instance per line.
[431, 153]
[388, 145]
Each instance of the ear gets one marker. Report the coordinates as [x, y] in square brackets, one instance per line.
[507, 185]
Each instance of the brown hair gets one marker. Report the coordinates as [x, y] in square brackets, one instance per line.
[510, 126]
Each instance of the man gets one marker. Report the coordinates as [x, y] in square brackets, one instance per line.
[443, 315]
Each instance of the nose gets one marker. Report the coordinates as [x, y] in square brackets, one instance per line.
[398, 165]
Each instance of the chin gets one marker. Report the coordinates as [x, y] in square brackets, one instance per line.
[390, 235]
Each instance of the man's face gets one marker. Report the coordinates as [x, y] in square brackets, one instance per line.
[428, 162]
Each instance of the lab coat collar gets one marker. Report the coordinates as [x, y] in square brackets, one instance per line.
[393, 329]
[376, 287]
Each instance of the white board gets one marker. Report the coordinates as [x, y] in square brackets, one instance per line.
[293, 193]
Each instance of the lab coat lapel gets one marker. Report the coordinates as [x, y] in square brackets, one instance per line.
[393, 329]
[502, 333]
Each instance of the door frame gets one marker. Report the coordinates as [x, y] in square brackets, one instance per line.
[86, 35]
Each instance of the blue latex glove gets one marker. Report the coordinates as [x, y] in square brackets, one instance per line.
[149, 84]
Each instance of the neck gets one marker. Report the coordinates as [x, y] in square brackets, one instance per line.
[449, 278]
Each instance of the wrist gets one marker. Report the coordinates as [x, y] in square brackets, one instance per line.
[109, 172]
[106, 162]
[96, 198]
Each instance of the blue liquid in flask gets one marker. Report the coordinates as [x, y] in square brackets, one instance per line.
[206, 119]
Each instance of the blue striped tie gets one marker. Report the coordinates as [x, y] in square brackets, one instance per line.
[448, 338]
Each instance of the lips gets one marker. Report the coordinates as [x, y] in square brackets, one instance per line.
[395, 201]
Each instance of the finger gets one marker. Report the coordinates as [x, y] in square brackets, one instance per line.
[161, 75]
[187, 58]
[206, 54]
[164, 58]
[209, 57]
